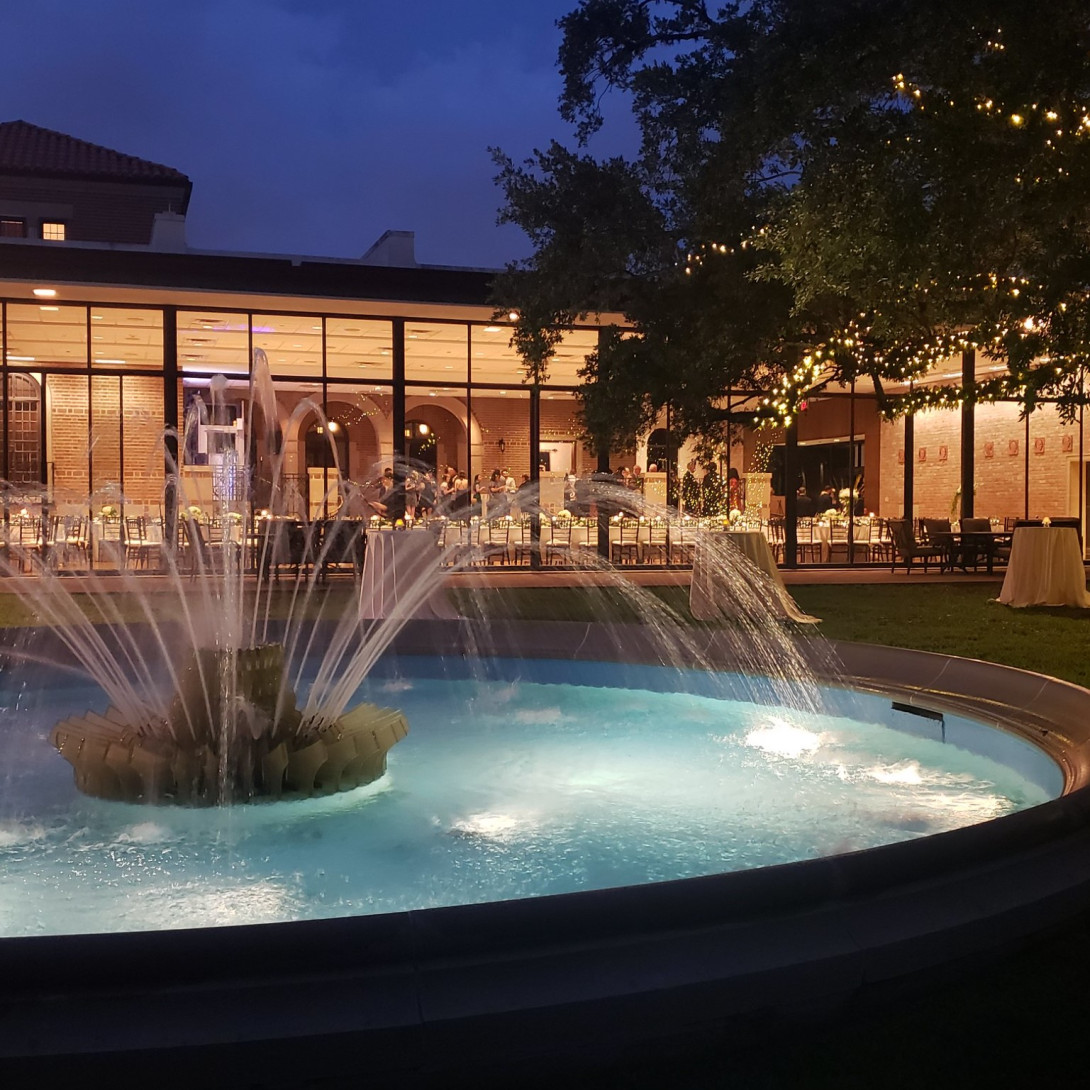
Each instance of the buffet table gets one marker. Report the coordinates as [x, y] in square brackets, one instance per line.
[713, 591]
[1045, 569]
[401, 575]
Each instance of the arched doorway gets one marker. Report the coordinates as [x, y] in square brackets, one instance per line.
[322, 440]
[423, 444]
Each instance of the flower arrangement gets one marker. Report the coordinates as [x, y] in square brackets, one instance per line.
[734, 516]
[1046, 521]
[194, 511]
[400, 524]
[845, 497]
[234, 516]
[564, 513]
[109, 511]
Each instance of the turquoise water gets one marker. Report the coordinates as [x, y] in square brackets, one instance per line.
[510, 785]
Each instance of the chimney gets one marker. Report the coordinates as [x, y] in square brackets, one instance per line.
[395, 248]
[168, 233]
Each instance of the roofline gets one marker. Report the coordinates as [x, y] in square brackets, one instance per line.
[261, 274]
[178, 182]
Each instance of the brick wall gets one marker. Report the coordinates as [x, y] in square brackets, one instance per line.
[1000, 455]
[93, 211]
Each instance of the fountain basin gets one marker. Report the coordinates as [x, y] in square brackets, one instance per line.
[594, 972]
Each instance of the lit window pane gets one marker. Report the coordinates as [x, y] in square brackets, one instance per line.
[212, 343]
[436, 353]
[53, 232]
[359, 349]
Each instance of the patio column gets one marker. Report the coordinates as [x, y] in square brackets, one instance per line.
[170, 422]
[400, 444]
[968, 431]
[535, 473]
[790, 497]
[910, 460]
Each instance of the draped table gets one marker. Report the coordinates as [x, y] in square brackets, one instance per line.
[401, 575]
[713, 591]
[1045, 569]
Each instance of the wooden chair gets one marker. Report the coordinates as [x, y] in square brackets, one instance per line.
[497, 537]
[558, 548]
[776, 535]
[907, 549]
[523, 540]
[139, 550]
[626, 549]
[658, 541]
[683, 541]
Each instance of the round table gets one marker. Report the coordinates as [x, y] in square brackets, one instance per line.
[1045, 569]
[710, 590]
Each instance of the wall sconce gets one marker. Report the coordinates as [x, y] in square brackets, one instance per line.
[422, 429]
[502, 445]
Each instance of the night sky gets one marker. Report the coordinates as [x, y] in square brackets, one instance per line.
[306, 126]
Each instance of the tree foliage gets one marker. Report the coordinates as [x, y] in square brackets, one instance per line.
[825, 189]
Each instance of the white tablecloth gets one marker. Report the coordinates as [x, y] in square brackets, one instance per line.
[401, 574]
[713, 591]
[1045, 569]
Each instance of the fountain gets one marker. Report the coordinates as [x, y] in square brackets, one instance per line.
[615, 947]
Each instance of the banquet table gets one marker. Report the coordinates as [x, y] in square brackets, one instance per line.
[712, 591]
[401, 575]
[1045, 569]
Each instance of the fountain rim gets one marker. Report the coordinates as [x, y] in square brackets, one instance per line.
[710, 950]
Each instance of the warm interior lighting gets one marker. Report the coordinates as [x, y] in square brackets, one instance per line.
[334, 426]
[513, 315]
[45, 293]
[423, 429]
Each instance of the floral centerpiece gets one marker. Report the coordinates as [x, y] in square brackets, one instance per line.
[734, 516]
[109, 511]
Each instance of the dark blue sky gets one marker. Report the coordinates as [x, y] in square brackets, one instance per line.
[306, 126]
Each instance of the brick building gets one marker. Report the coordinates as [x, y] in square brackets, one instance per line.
[112, 329]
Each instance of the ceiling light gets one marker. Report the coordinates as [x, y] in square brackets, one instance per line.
[49, 308]
[492, 329]
[97, 360]
[21, 359]
[45, 293]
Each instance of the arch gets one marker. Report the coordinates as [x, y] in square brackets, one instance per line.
[439, 413]
[24, 438]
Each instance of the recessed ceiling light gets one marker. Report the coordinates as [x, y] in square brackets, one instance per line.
[97, 360]
[492, 329]
[45, 293]
[49, 308]
[21, 359]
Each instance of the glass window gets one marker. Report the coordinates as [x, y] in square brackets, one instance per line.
[105, 435]
[25, 423]
[571, 354]
[494, 360]
[292, 342]
[436, 432]
[359, 349]
[54, 231]
[47, 334]
[11, 227]
[436, 353]
[122, 337]
[213, 343]
[142, 426]
[68, 436]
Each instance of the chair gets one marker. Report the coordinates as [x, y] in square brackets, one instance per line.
[658, 541]
[138, 548]
[939, 532]
[971, 551]
[881, 544]
[559, 544]
[524, 545]
[1069, 520]
[683, 541]
[849, 540]
[497, 537]
[776, 537]
[626, 549]
[342, 545]
[908, 549]
[31, 542]
[809, 550]
[73, 540]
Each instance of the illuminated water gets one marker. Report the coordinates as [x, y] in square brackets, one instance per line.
[508, 786]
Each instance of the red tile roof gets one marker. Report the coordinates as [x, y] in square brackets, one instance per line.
[30, 149]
